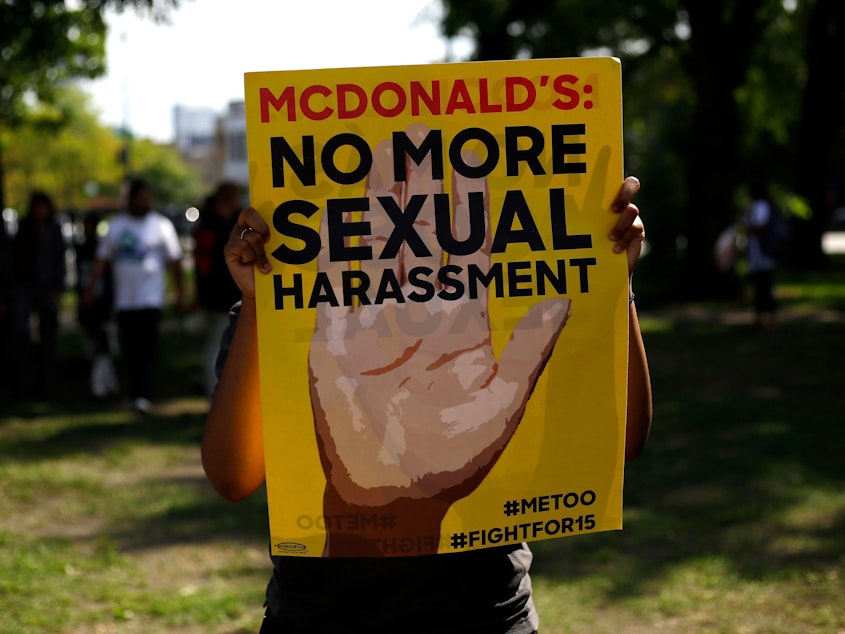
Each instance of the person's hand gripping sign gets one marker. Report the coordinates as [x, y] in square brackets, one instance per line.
[411, 406]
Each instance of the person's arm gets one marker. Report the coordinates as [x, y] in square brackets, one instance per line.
[58, 263]
[628, 236]
[639, 417]
[203, 252]
[103, 254]
[178, 283]
[233, 442]
[97, 271]
[172, 249]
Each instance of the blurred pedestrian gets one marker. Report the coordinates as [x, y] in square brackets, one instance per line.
[141, 244]
[94, 316]
[6, 304]
[761, 262]
[216, 290]
[39, 282]
[725, 255]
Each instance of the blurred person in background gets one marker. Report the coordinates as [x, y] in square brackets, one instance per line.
[6, 303]
[761, 260]
[216, 290]
[38, 273]
[95, 315]
[141, 245]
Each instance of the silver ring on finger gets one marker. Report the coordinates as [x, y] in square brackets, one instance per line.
[244, 231]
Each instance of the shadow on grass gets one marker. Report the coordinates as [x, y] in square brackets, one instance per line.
[744, 467]
[205, 520]
[176, 506]
[113, 426]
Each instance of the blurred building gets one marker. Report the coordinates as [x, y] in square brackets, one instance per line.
[195, 136]
[232, 128]
[214, 143]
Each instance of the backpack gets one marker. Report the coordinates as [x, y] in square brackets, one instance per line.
[776, 234]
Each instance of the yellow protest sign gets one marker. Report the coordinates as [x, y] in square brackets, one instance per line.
[443, 337]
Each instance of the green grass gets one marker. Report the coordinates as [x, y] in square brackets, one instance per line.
[735, 514]
[734, 518]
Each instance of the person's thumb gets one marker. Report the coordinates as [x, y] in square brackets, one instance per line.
[532, 342]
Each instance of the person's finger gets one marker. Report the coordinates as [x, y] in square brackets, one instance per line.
[239, 252]
[329, 313]
[629, 188]
[634, 232]
[249, 218]
[471, 200]
[627, 219]
[380, 185]
[532, 342]
[252, 230]
[631, 243]
[240, 258]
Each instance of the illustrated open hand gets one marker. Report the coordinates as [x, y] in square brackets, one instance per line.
[410, 401]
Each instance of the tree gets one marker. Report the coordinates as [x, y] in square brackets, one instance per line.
[174, 181]
[44, 44]
[820, 131]
[63, 149]
[723, 36]
[695, 66]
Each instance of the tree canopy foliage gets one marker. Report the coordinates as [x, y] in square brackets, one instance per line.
[46, 43]
[718, 94]
[43, 44]
[58, 148]
[63, 149]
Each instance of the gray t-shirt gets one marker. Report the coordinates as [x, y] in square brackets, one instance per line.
[484, 591]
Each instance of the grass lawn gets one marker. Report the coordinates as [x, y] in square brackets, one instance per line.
[734, 521]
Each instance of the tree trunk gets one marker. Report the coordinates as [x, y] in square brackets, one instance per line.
[2, 184]
[712, 178]
[724, 34]
[820, 117]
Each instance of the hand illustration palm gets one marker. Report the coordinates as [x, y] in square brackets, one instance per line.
[409, 398]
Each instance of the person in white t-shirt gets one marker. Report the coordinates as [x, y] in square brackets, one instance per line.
[141, 245]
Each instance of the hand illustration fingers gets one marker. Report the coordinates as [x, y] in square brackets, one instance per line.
[339, 338]
[471, 224]
[532, 342]
[382, 189]
[421, 247]
[333, 271]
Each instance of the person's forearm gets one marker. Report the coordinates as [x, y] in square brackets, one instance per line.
[233, 444]
[97, 271]
[178, 280]
[639, 389]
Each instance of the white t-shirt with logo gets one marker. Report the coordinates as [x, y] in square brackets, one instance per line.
[139, 249]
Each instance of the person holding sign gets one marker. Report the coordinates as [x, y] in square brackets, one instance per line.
[485, 590]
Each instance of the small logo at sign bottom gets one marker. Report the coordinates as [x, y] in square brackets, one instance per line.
[292, 547]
